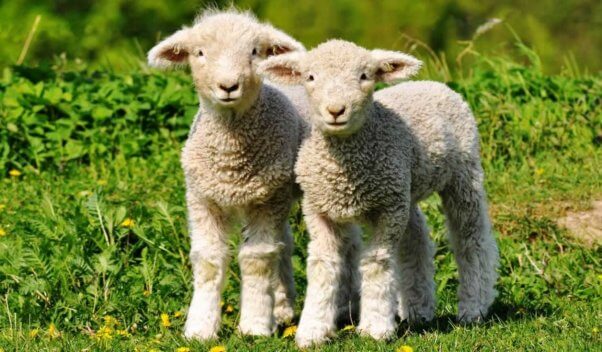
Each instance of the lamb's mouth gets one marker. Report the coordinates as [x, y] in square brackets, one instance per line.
[228, 100]
[336, 124]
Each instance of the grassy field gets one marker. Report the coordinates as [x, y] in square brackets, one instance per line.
[93, 235]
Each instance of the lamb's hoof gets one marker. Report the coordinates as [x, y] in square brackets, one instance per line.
[312, 334]
[202, 333]
[420, 316]
[284, 314]
[379, 330]
[255, 329]
[472, 317]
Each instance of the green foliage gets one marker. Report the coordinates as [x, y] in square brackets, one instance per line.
[96, 226]
[119, 32]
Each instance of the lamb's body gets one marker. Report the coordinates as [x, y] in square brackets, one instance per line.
[244, 160]
[368, 160]
[238, 163]
[417, 135]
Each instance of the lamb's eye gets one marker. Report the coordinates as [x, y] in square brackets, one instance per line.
[254, 52]
[364, 77]
[310, 78]
[200, 53]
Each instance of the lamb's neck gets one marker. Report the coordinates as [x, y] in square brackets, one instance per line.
[226, 116]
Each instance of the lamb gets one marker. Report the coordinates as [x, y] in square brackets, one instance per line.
[238, 162]
[369, 159]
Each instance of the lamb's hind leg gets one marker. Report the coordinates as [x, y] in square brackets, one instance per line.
[417, 282]
[284, 293]
[472, 242]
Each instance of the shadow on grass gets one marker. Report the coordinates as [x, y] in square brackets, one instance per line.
[500, 312]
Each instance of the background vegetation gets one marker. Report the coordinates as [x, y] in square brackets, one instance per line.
[118, 33]
[93, 235]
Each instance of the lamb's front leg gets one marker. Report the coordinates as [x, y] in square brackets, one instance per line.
[258, 259]
[324, 272]
[209, 257]
[379, 268]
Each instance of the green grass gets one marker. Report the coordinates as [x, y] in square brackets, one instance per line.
[97, 148]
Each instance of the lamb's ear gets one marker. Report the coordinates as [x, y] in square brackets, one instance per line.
[275, 42]
[393, 66]
[283, 69]
[172, 51]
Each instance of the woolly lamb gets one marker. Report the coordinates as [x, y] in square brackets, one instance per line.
[369, 159]
[238, 163]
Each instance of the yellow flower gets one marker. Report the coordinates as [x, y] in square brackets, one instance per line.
[600, 277]
[2, 233]
[110, 321]
[127, 223]
[595, 331]
[539, 171]
[165, 320]
[348, 328]
[146, 293]
[182, 349]
[14, 173]
[53, 332]
[104, 333]
[218, 349]
[123, 333]
[33, 333]
[290, 331]
[101, 182]
[405, 348]
[177, 314]
[229, 309]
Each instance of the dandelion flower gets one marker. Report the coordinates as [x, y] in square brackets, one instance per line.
[33, 333]
[123, 333]
[14, 173]
[53, 332]
[229, 309]
[146, 293]
[405, 348]
[539, 171]
[2, 233]
[128, 222]
[110, 321]
[218, 349]
[165, 320]
[290, 331]
[182, 349]
[348, 328]
[104, 333]
[177, 314]
[595, 331]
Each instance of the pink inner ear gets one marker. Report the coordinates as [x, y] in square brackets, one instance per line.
[394, 67]
[175, 54]
[277, 50]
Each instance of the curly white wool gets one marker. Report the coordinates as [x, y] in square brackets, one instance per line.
[369, 159]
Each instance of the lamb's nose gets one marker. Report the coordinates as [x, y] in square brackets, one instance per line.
[336, 110]
[229, 89]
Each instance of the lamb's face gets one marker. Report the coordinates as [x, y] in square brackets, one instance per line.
[339, 77]
[223, 51]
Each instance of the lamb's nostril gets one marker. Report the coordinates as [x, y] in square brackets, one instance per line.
[229, 89]
[336, 111]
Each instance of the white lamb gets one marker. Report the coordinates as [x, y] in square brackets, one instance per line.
[238, 163]
[369, 159]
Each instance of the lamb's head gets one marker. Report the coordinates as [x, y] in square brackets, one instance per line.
[339, 77]
[223, 49]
